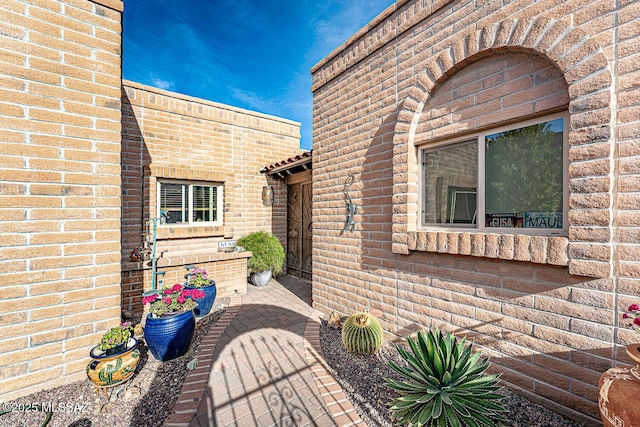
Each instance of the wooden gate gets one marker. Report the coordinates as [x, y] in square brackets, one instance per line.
[299, 229]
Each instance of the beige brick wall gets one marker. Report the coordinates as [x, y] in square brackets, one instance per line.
[59, 187]
[547, 309]
[169, 135]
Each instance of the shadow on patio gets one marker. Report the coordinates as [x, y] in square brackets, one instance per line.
[259, 371]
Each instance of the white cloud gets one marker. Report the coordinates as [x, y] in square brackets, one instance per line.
[161, 84]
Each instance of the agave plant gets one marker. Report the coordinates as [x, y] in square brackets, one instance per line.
[444, 384]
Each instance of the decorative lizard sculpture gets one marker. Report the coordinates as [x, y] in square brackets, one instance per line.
[351, 208]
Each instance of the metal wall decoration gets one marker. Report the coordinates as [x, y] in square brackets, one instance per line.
[352, 209]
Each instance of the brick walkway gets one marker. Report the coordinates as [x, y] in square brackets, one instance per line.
[262, 365]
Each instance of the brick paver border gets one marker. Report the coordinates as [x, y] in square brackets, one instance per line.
[193, 389]
[335, 400]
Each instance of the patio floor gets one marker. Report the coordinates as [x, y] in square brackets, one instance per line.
[262, 365]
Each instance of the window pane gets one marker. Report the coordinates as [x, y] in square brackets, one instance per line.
[204, 203]
[450, 181]
[172, 203]
[523, 177]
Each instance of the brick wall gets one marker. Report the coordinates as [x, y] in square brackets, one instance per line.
[228, 270]
[547, 309]
[173, 136]
[59, 187]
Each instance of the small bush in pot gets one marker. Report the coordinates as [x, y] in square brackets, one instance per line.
[115, 339]
[114, 358]
[444, 384]
[268, 254]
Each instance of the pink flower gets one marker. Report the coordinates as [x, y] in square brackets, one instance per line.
[149, 299]
[168, 301]
[176, 288]
[167, 292]
[197, 294]
[182, 299]
[633, 312]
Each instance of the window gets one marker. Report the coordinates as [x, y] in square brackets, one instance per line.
[503, 179]
[185, 203]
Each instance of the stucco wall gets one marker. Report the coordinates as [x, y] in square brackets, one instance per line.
[546, 308]
[59, 188]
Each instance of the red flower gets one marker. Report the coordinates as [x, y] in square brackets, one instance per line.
[149, 299]
[167, 292]
[636, 321]
[168, 301]
[182, 299]
[176, 288]
[633, 307]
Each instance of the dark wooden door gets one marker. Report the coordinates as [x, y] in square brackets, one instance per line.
[299, 230]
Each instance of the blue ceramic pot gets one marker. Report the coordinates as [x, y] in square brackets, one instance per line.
[205, 304]
[169, 335]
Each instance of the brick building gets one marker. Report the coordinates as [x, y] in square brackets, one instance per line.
[175, 145]
[84, 160]
[494, 152]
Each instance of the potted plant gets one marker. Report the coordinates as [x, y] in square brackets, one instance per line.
[198, 278]
[115, 357]
[267, 256]
[171, 322]
[618, 387]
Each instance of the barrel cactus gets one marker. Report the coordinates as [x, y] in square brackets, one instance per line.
[362, 334]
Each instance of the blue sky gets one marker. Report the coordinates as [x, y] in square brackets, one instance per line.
[252, 54]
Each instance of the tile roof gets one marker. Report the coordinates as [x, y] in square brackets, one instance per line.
[289, 166]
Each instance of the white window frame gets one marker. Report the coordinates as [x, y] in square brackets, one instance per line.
[189, 203]
[480, 200]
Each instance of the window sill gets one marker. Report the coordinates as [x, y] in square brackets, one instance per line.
[166, 232]
[518, 247]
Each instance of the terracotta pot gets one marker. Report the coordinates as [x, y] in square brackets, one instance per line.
[109, 370]
[618, 391]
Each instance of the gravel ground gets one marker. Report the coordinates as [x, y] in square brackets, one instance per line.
[145, 401]
[362, 378]
[150, 395]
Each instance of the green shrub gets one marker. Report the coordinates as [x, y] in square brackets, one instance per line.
[444, 384]
[268, 253]
[362, 334]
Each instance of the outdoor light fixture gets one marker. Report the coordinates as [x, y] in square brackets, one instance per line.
[267, 195]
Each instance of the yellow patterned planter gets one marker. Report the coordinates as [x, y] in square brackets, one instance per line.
[107, 371]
